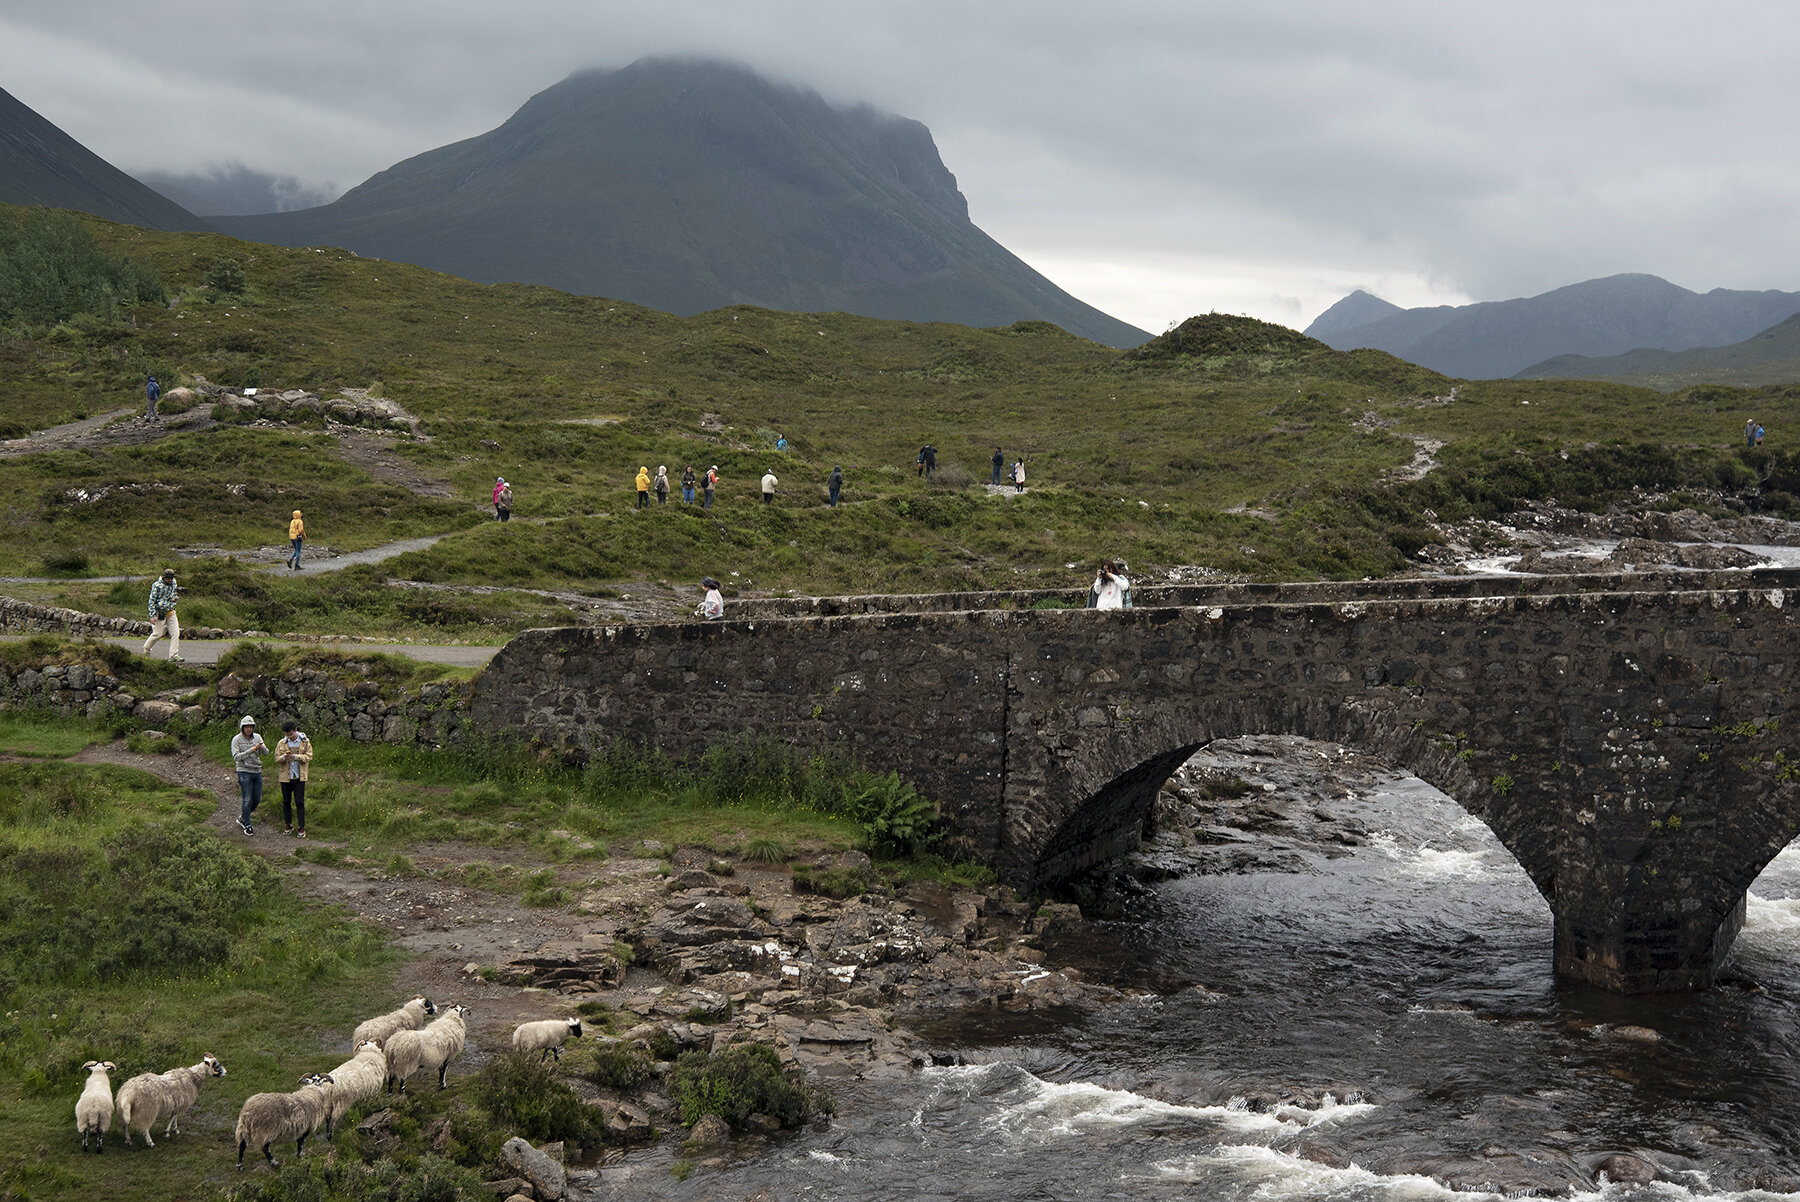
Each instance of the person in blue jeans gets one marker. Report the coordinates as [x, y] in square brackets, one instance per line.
[999, 462]
[247, 751]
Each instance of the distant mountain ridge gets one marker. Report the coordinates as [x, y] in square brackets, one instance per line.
[1770, 356]
[688, 185]
[41, 165]
[1604, 317]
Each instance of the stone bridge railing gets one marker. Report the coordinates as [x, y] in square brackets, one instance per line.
[1622, 736]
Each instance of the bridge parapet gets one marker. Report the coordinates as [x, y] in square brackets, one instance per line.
[1627, 745]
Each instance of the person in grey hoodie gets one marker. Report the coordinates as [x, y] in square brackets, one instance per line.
[247, 751]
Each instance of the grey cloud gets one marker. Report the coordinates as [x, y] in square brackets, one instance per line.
[1496, 151]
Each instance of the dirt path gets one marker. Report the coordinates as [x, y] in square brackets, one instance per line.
[447, 927]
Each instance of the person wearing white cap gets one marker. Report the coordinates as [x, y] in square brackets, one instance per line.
[499, 483]
[247, 751]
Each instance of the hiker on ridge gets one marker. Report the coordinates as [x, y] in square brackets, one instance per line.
[662, 485]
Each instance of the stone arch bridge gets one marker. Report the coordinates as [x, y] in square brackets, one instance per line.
[1624, 736]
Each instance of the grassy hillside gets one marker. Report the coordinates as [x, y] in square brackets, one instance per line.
[1226, 444]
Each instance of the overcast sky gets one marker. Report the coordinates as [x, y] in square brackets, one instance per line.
[1157, 158]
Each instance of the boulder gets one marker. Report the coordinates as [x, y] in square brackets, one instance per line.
[710, 1132]
[548, 1180]
[692, 922]
[157, 712]
[630, 1124]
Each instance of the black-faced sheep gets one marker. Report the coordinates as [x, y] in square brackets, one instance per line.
[93, 1109]
[434, 1047]
[548, 1034]
[148, 1098]
[361, 1076]
[269, 1118]
[409, 1017]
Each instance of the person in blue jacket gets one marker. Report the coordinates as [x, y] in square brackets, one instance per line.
[152, 394]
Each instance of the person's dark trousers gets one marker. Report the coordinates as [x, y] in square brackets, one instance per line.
[249, 795]
[293, 803]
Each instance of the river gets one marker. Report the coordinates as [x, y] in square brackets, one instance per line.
[1368, 1025]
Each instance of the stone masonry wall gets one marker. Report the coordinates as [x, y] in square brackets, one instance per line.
[434, 716]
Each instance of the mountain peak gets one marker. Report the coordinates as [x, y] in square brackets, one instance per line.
[690, 184]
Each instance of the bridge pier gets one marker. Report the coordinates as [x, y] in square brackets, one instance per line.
[1645, 957]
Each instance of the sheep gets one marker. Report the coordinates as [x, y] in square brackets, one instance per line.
[93, 1109]
[434, 1047]
[547, 1034]
[409, 1017]
[361, 1076]
[148, 1098]
[269, 1118]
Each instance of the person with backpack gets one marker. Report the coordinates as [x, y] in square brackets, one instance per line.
[163, 622]
[152, 394]
[296, 537]
[710, 482]
[662, 484]
[503, 504]
[768, 487]
[499, 483]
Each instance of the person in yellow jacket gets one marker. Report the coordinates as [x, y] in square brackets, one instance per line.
[292, 754]
[643, 487]
[296, 535]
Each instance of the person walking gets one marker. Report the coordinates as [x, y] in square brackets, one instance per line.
[499, 486]
[711, 481]
[247, 749]
[834, 484]
[1018, 475]
[643, 488]
[687, 484]
[781, 442]
[999, 462]
[152, 394]
[930, 454]
[712, 607]
[662, 485]
[503, 504]
[296, 536]
[768, 485]
[1750, 433]
[292, 754]
[163, 622]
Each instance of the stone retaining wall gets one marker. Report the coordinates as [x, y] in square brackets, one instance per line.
[433, 716]
[437, 715]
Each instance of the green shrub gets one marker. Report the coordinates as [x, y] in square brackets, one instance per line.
[895, 820]
[620, 1066]
[840, 883]
[739, 1081]
[767, 851]
[344, 1179]
[521, 1092]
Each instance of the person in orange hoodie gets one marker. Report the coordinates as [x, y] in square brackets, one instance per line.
[296, 535]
